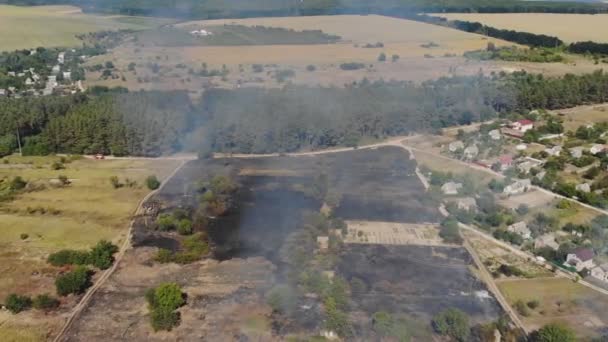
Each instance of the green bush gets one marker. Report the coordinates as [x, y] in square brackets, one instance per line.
[24, 236]
[68, 257]
[16, 303]
[164, 256]
[45, 302]
[452, 322]
[100, 256]
[152, 182]
[166, 222]
[184, 227]
[76, 281]
[17, 184]
[163, 301]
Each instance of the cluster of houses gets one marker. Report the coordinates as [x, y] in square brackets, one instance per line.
[51, 82]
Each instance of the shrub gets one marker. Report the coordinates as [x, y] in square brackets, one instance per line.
[63, 179]
[395, 58]
[102, 255]
[184, 227]
[57, 166]
[76, 281]
[282, 299]
[115, 182]
[163, 301]
[533, 304]
[165, 222]
[553, 332]
[311, 68]
[521, 308]
[17, 184]
[452, 322]
[163, 256]
[23, 236]
[152, 182]
[352, 66]
[68, 257]
[16, 303]
[45, 302]
[382, 57]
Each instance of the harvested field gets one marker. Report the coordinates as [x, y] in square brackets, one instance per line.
[55, 217]
[562, 300]
[568, 27]
[390, 233]
[56, 26]
[533, 199]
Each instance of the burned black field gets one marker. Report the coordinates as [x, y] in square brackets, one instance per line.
[279, 275]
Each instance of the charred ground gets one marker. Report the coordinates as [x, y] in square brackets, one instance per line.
[258, 245]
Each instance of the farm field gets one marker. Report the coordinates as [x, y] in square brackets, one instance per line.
[562, 300]
[55, 26]
[48, 217]
[568, 27]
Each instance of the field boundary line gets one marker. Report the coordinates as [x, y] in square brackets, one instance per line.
[79, 308]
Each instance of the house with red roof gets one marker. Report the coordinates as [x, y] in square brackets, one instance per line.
[523, 125]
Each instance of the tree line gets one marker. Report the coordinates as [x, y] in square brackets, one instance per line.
[196, 9]
[257, 120]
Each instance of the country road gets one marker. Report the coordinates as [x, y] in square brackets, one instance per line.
[79, 308]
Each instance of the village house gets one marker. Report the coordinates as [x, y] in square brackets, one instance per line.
[584, 187]
[522, 125]
[494, 134]
[29, 82]
[451, 188]
[67, 75]
[323, 242]
[455, 146]
[600, 272]
[61, 58]
[597, 148]
[466, 203]
[580, 259]
[12, 73]
[521, 147]
[471, 152]
[56, 69]
[518, 187]
[528, 163]
[546, 240]
[506, 161]
[2, 92]
[201, 33]
[576, 152]
[554, 151]
[521, 229]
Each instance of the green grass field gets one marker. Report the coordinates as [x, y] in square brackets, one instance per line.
[56, 26]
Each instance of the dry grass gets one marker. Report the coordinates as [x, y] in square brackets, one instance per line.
[77, 216]
[583, 115]
[561, 299]
[52, 26]
[568, 27]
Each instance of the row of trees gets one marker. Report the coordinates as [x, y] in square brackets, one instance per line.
[265, 8]
[260, 120]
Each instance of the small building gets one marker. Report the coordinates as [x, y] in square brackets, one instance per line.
[2, 92]
[521, 147]
[584, 187]
[67, 75]
[576, 152]
[56, 69]
[518, 187]
[597, 148]
[61, 58]
[471, 152]
[455, 146]
[521, 229]
[546, 240]
[494, 134]
[12, 73]
[506, 161]
[522, 125]
[600, 272]
[29, 82]
[580, 259]
[554, 151]
[323, 242]
[201, 33]
[451, 188]
[528, 164]
[466, 203]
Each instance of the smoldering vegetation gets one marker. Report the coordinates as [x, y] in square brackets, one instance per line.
[266, 276]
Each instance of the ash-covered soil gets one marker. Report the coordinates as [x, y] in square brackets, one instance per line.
[227, 291]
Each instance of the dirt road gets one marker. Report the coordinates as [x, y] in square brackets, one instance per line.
[79, 308]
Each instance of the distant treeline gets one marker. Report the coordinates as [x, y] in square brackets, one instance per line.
[589, 47]
[208, 9]
[256, 120]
